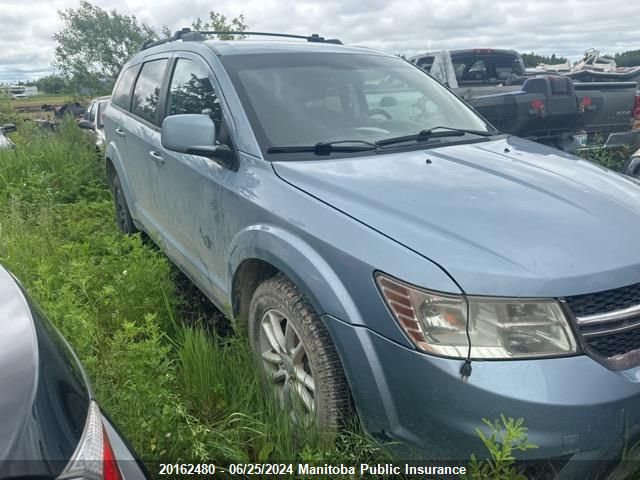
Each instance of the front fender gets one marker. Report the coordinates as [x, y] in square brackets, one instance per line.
[312, 274]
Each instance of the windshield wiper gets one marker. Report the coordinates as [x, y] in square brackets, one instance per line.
[432, 133]
[326, 148]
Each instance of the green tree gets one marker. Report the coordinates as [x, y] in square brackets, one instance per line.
[94, 44]
[51, 84]
[630, 58]
[219, 22]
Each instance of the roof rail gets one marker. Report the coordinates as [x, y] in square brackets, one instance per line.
[188, 35]
[184, 34]
[309, 38]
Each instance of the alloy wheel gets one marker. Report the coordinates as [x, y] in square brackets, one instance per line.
[286, 363]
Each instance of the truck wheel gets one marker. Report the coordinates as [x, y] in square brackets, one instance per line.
[123, 215]
[296, 356]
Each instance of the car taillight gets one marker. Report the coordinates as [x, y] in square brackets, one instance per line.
[636, 108]
[109, 462]
[93, 458]
[537, 108]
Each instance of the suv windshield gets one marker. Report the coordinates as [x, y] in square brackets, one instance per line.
[304, 99]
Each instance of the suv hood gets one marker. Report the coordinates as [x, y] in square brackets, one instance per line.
[506, 217]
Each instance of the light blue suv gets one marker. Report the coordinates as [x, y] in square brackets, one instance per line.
[388, 248]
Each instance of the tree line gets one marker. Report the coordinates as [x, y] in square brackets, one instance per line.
[630, 58]
[532, 59]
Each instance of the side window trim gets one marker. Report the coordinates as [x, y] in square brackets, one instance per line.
[164, 90]
[163, 105]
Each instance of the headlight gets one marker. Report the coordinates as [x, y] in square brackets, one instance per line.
[498, 327]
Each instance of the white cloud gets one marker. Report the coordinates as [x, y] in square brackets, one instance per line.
[399, 26]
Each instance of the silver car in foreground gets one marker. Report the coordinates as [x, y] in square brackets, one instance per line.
[50, 423]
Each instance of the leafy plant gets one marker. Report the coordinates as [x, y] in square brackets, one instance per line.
[219, 22]
[614, 159]
[505, 437]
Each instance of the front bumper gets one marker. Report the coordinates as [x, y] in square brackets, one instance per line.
[573, 406]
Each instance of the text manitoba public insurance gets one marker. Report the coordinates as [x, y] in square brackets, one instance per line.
[379, 469]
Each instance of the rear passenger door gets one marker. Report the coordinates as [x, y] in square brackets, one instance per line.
[192, 186]
[142, 130]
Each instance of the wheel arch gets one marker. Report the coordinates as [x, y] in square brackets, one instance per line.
[259, 252]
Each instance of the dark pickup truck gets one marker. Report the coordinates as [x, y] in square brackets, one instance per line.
[549, 108]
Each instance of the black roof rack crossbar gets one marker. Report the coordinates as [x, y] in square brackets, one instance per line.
[187, 34]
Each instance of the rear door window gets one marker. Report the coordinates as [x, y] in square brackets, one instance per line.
[146, 94]
[122, 92]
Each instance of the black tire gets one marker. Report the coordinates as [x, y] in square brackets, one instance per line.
[123, 215]
[331, 395]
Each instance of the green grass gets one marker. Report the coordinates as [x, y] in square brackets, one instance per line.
[37, 100]
[176, 388]
[29, 107]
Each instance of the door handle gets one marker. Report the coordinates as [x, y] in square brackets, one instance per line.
[156, 157]
[120, 132]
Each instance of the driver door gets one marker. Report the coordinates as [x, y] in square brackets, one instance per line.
[192, 186]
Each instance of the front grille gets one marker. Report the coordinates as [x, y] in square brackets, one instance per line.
[615, 344]
[614, 335]
[606, 301]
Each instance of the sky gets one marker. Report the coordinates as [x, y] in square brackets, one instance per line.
[564, 27]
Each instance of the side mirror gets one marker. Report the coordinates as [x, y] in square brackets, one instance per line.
[8, 127]
[189, 133]
[195, 134]
[87, 125]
